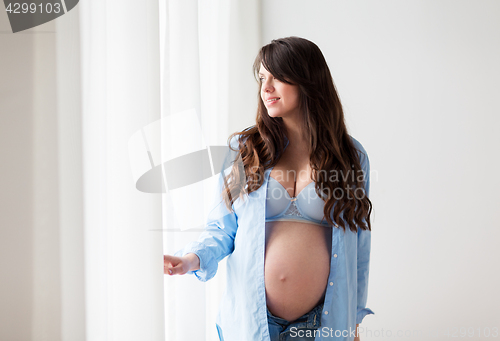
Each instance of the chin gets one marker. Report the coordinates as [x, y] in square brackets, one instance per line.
[273, 114]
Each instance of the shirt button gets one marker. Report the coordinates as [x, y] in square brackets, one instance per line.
[331, 283]
[326, 312]
[335, 255]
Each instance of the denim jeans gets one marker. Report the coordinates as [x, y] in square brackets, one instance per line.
[302, 329]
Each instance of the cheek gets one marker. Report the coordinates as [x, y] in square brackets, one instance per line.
[291, 93]
[297, 97]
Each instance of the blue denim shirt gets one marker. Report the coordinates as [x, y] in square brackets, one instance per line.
[240, 235]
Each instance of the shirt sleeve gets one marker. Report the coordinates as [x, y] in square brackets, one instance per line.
[217, 239]
[364, 243]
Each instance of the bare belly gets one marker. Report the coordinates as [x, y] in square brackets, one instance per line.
[296, 267]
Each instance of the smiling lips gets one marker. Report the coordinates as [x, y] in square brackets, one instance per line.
[272, 100]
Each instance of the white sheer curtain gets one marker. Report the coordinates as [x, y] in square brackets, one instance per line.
[207, 51]
[120, 95]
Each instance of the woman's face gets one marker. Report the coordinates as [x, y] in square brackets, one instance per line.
[281, 99]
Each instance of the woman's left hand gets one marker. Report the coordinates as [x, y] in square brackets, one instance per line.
[356, 338]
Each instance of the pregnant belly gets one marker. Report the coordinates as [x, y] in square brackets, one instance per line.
[296, 267]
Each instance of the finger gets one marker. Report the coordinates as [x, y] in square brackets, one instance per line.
[167, 264]
[176, 270]
[167, 269]
[169, 258]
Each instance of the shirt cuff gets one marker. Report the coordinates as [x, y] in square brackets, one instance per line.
[362, 313]
[208, 264]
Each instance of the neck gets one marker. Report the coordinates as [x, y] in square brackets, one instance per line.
[295, 134]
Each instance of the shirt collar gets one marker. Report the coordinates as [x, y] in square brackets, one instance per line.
[286, 142]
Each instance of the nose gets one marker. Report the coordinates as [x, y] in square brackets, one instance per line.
[267, 86]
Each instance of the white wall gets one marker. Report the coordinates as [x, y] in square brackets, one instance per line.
[16, 182]
[29, 219]
[419, 82]
[41, 254]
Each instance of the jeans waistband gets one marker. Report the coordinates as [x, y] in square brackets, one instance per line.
[312, 319]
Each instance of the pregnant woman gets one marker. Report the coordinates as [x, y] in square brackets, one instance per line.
[292, 211]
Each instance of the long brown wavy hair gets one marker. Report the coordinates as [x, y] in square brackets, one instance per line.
[299, 61]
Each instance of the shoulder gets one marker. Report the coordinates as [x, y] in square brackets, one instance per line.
[234, 142]
[362, 154]
[233, 149]
[236, 138]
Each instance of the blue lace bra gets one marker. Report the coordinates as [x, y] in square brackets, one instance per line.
[306, 206]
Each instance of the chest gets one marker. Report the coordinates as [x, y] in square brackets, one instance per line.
[293, 172]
